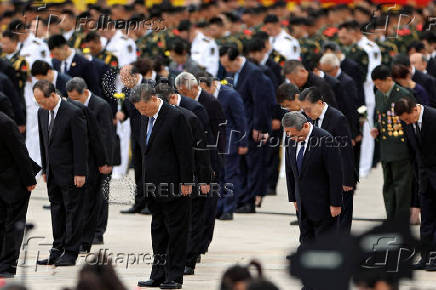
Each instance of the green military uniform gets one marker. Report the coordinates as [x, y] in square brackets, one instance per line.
[21, 68]
[357, 54]
[155, 44]
[388, 50]
[233, 39]
[404, 38]
[277, 57]
[76, 39]
[394, 153]
[108, 58]
[310, 51]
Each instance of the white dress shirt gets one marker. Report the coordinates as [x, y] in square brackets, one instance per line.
[157, 113]
[321, 117]
[179, 98]
[55, 109]
[419, 119]
[217, 90]
[87, 99]
[306, 142]
[198, 95]
[66, 64]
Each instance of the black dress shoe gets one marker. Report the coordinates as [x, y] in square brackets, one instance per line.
[294, 223]
[66, 260]
[98, 241]
[228, 216]
[146, 211]
[431, 267]
[131, 210]
[170, 285]
[188, 271]
[149, 283]
[46, 206]
[54, 255]
[85, 249]
[421, 265]
[199, 259]
[246, 209]
[7, 275]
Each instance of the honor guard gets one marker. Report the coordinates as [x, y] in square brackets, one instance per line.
[280, 40]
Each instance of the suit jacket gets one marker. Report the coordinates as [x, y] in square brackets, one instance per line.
[202, 166]
[336, 124]
[328, 94]
[354, 70]
[431, 67]
[6, 106]
[64, 154]
[18, 105]
[61, 83]
[167, 159]
[190, 66]
[429, 84]
[103, 115]
[348, 102]
[276, 69]
[319, 185]
[233, 107]
[217, 120]
[81, 67]
[96, 156]
[16, 168]
[424, 149]
[197, 109]
[258, 95]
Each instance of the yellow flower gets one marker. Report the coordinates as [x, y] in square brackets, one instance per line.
[119, 96]
[224, 82]
[86, 50]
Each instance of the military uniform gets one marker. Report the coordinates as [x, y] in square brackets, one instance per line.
[404, 38]
[357, 54]
[74, 38]
[286, 45]
[310, 51]
[109, 58]
[237, 40]
[394, 153]
[388, 50]
[21, 71]
[123, 47]
[155, 44]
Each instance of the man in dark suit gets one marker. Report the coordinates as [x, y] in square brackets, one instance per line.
[295, 73]
[64, 155]
[41, 70]
[6, 106]
[334, 122]
[236, 142]
[166, 143]
[100, 134]
[188, 85]
[7, 88]
[421, 137]
[346, 95]
[202, 176]
[67, 60]
[313, 175]
[258, 96]
[17, 180]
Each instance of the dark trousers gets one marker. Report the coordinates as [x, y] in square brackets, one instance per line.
[428, 221]
[346, 216]
[140, 201]
[253, 175]
[12, 223]
[231, 176]
[310, 230]
[210, 207]
[66, 216]
[103, 212]
[196, 230]
[397, 187]
[272, 160]
[169, 234]
[91, 208]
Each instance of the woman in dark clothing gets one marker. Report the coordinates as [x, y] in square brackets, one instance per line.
[403, 77]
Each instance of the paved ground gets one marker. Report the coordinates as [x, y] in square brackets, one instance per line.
[265, 235]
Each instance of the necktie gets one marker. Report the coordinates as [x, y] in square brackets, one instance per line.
[418, 133]
[63, 66]
[150, 129]
[316, 122]
[300, 157]
[235, 79]
[51, 123]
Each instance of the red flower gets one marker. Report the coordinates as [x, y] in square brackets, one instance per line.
[248, 32]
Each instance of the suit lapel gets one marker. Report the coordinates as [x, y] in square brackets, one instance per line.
[242, 74]
[308, 153]
[44, 124]
[325, 121]
[57, 119]
[157, 124]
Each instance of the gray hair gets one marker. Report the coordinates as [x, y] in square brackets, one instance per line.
[291, 66]
[76, 84]
[186, 80]
[294, 120]
[330, 59]
[142, 92]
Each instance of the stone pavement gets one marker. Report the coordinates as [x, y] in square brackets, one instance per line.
[266, 236]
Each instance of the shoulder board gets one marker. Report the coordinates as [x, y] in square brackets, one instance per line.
[206, 40]
[36, 41]
[288, 38]
[124, 37]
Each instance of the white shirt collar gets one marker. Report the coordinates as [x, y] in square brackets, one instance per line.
[217, 90]
[413, 70]
[242, 65]
[306, 142]
[420, 116]
[68, 34]
[265, 59]
[321, 117]
[55, 76]
[9, 56]
[56, 108]
[139, 80]
[338, 73]
[198, 95]
[179, 99]
[158, 109]
[87, 100]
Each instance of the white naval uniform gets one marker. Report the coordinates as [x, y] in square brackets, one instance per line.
[368, 143]
[34, 48]
[204, 51]
[286, 45]
[123, 47]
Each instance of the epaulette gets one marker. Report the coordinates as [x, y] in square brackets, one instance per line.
[288, 38]
[206, 40]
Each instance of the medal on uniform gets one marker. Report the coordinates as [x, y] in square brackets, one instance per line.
[395, 133]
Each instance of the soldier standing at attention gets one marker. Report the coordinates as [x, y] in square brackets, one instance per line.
[394, 152]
